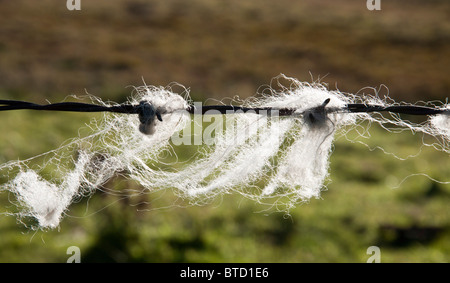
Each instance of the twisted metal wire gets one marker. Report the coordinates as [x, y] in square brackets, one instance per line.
[222, 109]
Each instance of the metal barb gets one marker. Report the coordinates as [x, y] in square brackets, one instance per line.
[147, 114]
[316, 116]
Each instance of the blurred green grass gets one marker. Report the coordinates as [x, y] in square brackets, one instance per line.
[221, 49]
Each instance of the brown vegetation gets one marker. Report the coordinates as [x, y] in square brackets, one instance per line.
[222, 48]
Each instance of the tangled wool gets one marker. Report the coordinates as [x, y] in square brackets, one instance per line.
[262, 157]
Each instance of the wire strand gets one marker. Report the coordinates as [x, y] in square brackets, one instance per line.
[222, 109]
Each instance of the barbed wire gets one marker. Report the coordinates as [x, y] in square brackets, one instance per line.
[217, 109]
[251, 150]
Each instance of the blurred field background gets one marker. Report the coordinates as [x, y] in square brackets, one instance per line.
[221, 49]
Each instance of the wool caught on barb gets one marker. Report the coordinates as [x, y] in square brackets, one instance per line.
[86, 163]
[262, 157]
